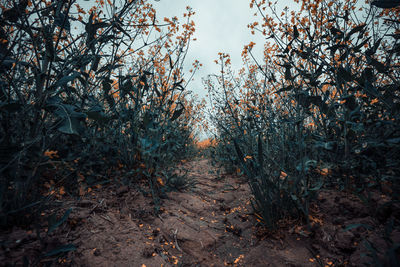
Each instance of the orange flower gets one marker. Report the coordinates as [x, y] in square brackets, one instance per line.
[51, 154]
[374, 101]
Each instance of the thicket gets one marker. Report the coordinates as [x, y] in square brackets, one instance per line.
[89, 96]
[319, 110]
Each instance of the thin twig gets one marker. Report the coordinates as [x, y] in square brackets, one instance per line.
[176, 240]
[107, 219]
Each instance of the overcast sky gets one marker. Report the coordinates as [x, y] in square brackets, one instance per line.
[221, 26]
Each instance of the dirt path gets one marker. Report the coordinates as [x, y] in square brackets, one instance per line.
[209, 225]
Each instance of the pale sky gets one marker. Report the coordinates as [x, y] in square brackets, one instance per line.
[221, 26]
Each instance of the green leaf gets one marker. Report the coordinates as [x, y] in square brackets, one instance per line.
[356, 225]
[359, 46]
[307, 165]
[177, 113]
[344, 75]
[99, 25]
[54, 225]
[11, 106]
[295, 32]
[95, 63]
[288, 74]
[179, 86]
[97, 113]
[336, 31]
[393, 140]
[380, 67]
[355, 30]
[238, 150]
[326, 145]
[371, 90]
[62, 21]
[70, 126]
[65, 111]
[386, 3]
[66, 79]
[317, 186]
[106, 86]
[61, 249]
[170, 62]
[260, 152]
[335, 47]
[109, 67]
[284, 89]
[156, 90]
[371, 51]
[70, 118]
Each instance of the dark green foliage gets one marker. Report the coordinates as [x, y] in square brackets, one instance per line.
[82, 101]
[331, 120]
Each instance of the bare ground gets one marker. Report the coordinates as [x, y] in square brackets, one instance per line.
[211, 224]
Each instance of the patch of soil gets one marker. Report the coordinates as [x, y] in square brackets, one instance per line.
[211, 224]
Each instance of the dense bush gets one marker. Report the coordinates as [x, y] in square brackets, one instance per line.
[320, 109]
[85, 93]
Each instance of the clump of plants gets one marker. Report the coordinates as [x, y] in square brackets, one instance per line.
[85, 93]
[320, 109]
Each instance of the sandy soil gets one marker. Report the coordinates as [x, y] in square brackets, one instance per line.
[210, 224]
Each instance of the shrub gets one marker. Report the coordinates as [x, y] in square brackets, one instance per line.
[321, 107]
[84, 93]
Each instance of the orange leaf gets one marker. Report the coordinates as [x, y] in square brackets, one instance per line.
[324, 171]
[81, 191]
[374, 101]
[62, 190]
[160, 181]
[238, 259]
[51, 154]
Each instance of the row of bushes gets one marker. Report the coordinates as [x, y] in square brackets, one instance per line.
[86, 92]
[320, 109]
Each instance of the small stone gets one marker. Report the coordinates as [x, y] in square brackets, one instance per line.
[116, 250]
[122, 190]
[315, 247]
[344, 241]
[148, 252]
[97, 252]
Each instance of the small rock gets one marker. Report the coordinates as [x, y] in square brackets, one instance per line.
[315, 248]
[122, 190]
[97, 252]
[338, 220]
[156, 232]
[383, 213]
[148, 252]
[344, 241]
[116, 250]
[234, 230]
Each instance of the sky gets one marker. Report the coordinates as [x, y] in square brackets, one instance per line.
[221, 26]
